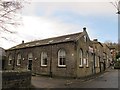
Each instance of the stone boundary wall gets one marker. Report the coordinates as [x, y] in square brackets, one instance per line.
[15, 79]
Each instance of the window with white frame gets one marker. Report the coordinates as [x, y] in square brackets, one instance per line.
[62, 58]
[10, 59]
[43, 59]
[30, 56]
[85, 38]
[87, 58]
[81, 57]
[19, 59]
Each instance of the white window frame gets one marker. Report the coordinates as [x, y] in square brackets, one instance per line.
[85, 38]
[19, 59]
[81, 58]
[30, 56]
[61, 54]
[43, 57]
[10, 59]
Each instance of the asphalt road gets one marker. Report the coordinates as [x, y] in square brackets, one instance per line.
[107, 80]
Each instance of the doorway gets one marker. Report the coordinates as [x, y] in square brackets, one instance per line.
[30, 59]
[30, 65]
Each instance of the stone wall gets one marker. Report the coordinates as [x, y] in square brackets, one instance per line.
[16, 79]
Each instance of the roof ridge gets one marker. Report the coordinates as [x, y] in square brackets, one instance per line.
[57, 39]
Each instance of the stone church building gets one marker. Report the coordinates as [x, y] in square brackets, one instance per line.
[65, 56]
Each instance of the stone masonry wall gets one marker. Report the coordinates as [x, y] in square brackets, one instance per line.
[15, 79]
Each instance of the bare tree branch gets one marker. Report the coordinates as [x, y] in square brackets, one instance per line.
[5, 29]
[116, 4]
[8, 11]
[8, 39]
[113, 4]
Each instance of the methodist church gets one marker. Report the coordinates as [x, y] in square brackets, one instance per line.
[69, 55]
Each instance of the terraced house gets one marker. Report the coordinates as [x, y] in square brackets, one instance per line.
[107, 55]
[65, 56]
[99, 64]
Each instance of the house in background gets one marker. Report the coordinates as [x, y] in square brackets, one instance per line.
[114, 49]
[98, 56]
[107, 55]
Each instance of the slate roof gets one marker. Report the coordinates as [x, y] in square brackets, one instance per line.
[54, 40]
[96, 42]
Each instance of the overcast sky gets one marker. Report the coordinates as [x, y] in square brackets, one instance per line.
[43, 19]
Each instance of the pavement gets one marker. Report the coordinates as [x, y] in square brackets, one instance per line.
[47, 82]
[105, 80]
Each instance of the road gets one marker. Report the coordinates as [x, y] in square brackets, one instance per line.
[106, 80]
[109, 79]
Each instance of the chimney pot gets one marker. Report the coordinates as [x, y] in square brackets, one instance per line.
[84, 29]
[22, 41]
[95, 40]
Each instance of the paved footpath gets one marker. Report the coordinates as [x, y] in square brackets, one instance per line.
[107, 80]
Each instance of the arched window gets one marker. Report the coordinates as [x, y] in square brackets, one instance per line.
[81, 57]
[43, 59]
[62, 58]
[30, 56]
[10, 59]
[85, 38]
[19, 59]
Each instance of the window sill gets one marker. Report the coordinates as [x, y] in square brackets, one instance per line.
[43, 66]
[80, 66]
[61, 66]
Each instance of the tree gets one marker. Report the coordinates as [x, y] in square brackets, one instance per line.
[116, 4]
[8, 15]
[118, 55]
[108, 42]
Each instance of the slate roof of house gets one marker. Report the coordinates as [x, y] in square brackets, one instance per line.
[59, 39]
[96, 42]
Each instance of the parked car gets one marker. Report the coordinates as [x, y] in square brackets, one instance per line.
[117, 65]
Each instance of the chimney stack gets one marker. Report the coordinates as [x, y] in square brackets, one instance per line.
[95, 40]
[84, 29]
[22, 41]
